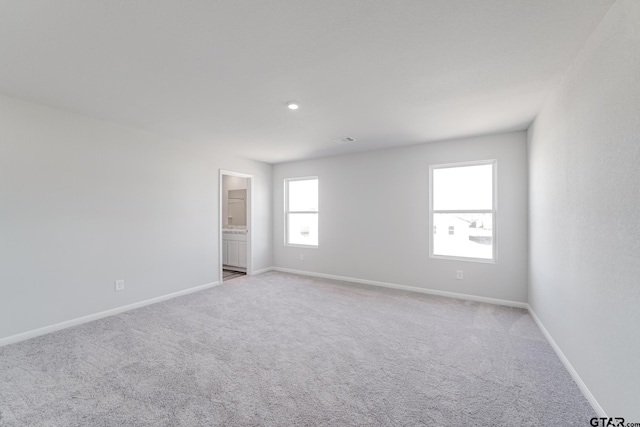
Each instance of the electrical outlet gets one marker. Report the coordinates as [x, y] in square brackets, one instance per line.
[301, 257]
[119, 285]
[459, 275]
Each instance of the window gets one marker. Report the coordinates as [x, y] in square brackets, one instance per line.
[301, 211]
[463, 211]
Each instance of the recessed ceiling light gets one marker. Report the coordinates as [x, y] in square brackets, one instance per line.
[293, 105]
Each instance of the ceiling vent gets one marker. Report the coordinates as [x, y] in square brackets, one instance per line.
[345, 140]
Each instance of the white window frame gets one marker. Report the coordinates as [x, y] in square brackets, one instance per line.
[287, 211]
[493, 211]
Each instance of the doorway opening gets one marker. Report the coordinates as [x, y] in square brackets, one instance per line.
[235, 225]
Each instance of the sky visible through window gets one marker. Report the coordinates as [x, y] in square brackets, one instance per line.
[463, 188]
[303, 195]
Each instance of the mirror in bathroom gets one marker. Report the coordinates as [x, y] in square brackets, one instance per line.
[237, 208]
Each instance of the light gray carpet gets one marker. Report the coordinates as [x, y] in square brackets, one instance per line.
[279, 349]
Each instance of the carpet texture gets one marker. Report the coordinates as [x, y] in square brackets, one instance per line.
[279, 349]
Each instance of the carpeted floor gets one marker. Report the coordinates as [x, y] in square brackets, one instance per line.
[279, 350]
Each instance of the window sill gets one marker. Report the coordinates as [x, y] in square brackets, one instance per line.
[454, 258]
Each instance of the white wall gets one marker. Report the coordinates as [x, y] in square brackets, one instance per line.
[85, 202]
[374, 209]
[584, 150]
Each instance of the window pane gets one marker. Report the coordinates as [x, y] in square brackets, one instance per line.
[303, 195]
[302, 229]
[463, 188]
[463, 235]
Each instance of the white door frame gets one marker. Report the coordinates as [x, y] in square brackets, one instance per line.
[249, 218]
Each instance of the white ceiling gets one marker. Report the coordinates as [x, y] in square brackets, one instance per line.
[386, 72]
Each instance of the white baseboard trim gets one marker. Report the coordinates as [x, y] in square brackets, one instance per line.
[574, 374]
[262, 270]
[91, 317]
[407, 288]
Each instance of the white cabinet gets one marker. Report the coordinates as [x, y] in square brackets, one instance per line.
[225, 252]
[234, 249]
[233, 255]
[242, 254]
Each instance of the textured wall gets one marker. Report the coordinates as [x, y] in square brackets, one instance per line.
[374, 217]
[85, 202]
[584, 150]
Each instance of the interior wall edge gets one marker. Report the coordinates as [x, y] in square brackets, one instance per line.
[23, 336]
[262, 270]
[583, 148]
[427, 291]
[567, 364]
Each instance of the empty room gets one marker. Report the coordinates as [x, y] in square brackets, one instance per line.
[320, 213]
